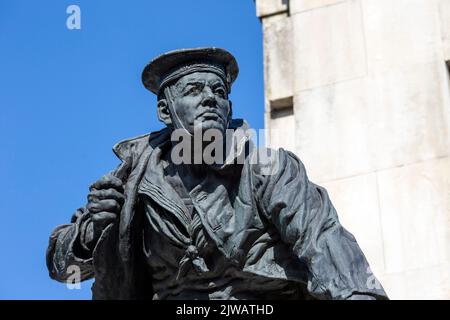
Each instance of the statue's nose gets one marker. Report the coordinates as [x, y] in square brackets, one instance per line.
[209, 99]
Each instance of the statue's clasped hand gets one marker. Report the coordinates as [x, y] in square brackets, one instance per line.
[105, 201]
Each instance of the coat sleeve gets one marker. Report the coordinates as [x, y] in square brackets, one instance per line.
[70, 248]
[307, 221]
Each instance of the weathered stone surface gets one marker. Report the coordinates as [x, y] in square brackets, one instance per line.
[419, 284]
[400, 33]
[270, 7]
[283, 124]
[328, 45]
[415, 215]
[278, 58]
[377, 122]
[444, 14]
[409, 120]
[297, 6]
[356, 200]
[332, 137]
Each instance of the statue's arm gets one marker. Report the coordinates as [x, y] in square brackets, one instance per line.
[70, 248]
[307, 221]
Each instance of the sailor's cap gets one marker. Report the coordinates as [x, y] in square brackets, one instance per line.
[172, 65]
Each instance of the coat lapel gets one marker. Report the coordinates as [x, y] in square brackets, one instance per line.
[155, 186]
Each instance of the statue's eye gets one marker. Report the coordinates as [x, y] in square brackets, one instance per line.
[220, 92]
[194, 90]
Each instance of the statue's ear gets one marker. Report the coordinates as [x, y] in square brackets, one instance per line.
[164, 112]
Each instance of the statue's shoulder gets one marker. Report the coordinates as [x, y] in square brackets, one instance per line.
[269, 161]
[136, 145]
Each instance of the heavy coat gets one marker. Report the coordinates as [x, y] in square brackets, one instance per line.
[278, 225]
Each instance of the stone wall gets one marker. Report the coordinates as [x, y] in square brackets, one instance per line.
[360, 91]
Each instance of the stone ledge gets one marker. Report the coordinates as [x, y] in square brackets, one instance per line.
[265, 8]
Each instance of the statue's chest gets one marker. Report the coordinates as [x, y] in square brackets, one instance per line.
[178, 254]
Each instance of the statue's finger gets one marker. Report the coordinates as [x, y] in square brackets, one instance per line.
[103, 217]
[93, 207]
[96, 195]
[103, 205]
[110, 205]
[106, 182]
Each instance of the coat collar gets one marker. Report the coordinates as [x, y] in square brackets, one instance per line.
[132, 148]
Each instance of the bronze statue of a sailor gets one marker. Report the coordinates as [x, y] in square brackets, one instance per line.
[172, 223]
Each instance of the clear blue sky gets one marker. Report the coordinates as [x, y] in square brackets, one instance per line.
[66, 96]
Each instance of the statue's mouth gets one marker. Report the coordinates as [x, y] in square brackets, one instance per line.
[210, 115]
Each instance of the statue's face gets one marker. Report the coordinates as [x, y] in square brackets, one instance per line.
[200, 100]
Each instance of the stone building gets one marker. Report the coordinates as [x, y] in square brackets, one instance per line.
[360, 91]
